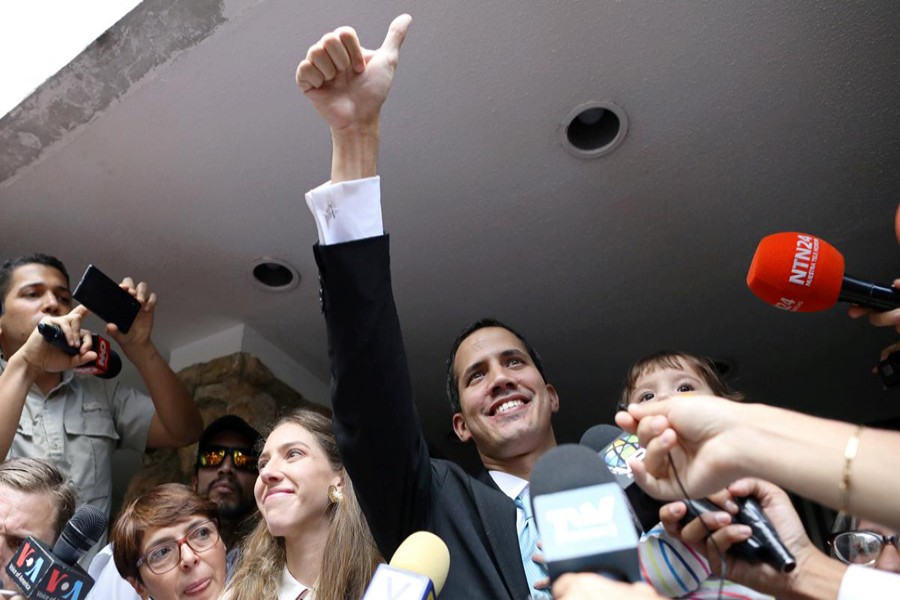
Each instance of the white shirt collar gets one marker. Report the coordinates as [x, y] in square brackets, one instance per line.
[290, 587]
[511, 485]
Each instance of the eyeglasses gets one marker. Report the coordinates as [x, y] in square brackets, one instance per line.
[212, 456]
[861, 547]
[164, 557]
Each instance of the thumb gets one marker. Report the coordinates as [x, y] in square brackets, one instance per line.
[81, 310]
[396, 33]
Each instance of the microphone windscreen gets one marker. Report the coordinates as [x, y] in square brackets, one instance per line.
[599, 436]
[796, 272]
[567, 467]
[582, 515]
[426, 554]
[616, 447]
[82, 531]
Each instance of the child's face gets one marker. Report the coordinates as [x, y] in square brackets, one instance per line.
[664, 382]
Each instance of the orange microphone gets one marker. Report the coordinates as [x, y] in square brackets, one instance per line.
[799, 272]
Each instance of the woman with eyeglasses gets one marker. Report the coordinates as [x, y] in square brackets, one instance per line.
[167, 545]
[311, 541]
[861, 542]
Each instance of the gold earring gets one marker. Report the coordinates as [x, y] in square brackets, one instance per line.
[335, 494]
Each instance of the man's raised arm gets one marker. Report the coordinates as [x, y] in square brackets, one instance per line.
[347, 84]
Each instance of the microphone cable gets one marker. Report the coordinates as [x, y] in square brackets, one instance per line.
[691, 510]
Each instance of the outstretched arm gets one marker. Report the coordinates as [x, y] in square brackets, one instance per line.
[177, 421]
[375, 421]
[712, 442]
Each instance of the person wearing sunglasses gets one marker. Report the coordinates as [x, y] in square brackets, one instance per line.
[166, 544]
[225, 471]
[861, 542]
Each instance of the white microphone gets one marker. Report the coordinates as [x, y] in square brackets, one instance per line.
[417, 570]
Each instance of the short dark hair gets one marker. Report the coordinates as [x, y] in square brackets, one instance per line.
[703, 366]
[160, 507]
[453, 378]
[11, 264]
[40, 476]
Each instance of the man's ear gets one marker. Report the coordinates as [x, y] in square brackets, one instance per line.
[554, 398]
[461, 428]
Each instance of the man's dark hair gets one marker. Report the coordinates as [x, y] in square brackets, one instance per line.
[11, 264]
[453, 378]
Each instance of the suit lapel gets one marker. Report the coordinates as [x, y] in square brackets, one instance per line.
[498, 517]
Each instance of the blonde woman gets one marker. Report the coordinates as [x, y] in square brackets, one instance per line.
[312, 541]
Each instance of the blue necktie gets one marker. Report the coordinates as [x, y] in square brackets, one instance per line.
[528, 539]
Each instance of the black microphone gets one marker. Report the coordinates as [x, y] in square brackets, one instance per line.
[106, 366]
[583, 516]
[764, 545]
[615, 447]
[83, 530]
[53, 574]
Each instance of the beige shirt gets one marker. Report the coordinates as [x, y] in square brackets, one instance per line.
[79, 425]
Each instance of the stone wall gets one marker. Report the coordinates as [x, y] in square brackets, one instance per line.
[238, 384]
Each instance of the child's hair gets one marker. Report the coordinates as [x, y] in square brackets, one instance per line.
[702, 366]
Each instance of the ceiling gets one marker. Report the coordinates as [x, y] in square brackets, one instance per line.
[177, 149]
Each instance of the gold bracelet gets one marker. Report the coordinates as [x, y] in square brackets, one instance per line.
[849, 455]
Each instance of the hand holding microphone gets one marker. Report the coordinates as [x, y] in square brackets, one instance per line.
[107, 363]
[72, 339]
[798, 272]
[785, 522]
[617, 447]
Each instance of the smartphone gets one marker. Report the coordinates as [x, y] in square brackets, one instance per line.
[106, 299]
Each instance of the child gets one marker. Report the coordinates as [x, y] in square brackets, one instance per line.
[658, 376]
[676, 570]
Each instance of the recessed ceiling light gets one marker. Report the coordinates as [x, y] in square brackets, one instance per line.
[594, 129]
[274, 274]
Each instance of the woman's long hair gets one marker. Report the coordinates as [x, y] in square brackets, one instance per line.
[350, 555]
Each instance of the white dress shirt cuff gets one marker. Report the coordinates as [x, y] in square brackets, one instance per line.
[347, 211]
[864, 583]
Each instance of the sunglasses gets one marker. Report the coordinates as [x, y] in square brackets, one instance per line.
[213, 456]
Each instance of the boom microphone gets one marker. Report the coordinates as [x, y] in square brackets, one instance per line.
[799, 272]
[106, 366]
[54, 575]
[615, 447]
[417, 570]
[583, 516]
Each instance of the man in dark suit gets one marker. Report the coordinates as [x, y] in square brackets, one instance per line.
[503, 403]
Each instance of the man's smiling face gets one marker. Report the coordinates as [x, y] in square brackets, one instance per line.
[505, 403]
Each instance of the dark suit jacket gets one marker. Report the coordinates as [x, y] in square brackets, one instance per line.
[400, 488]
